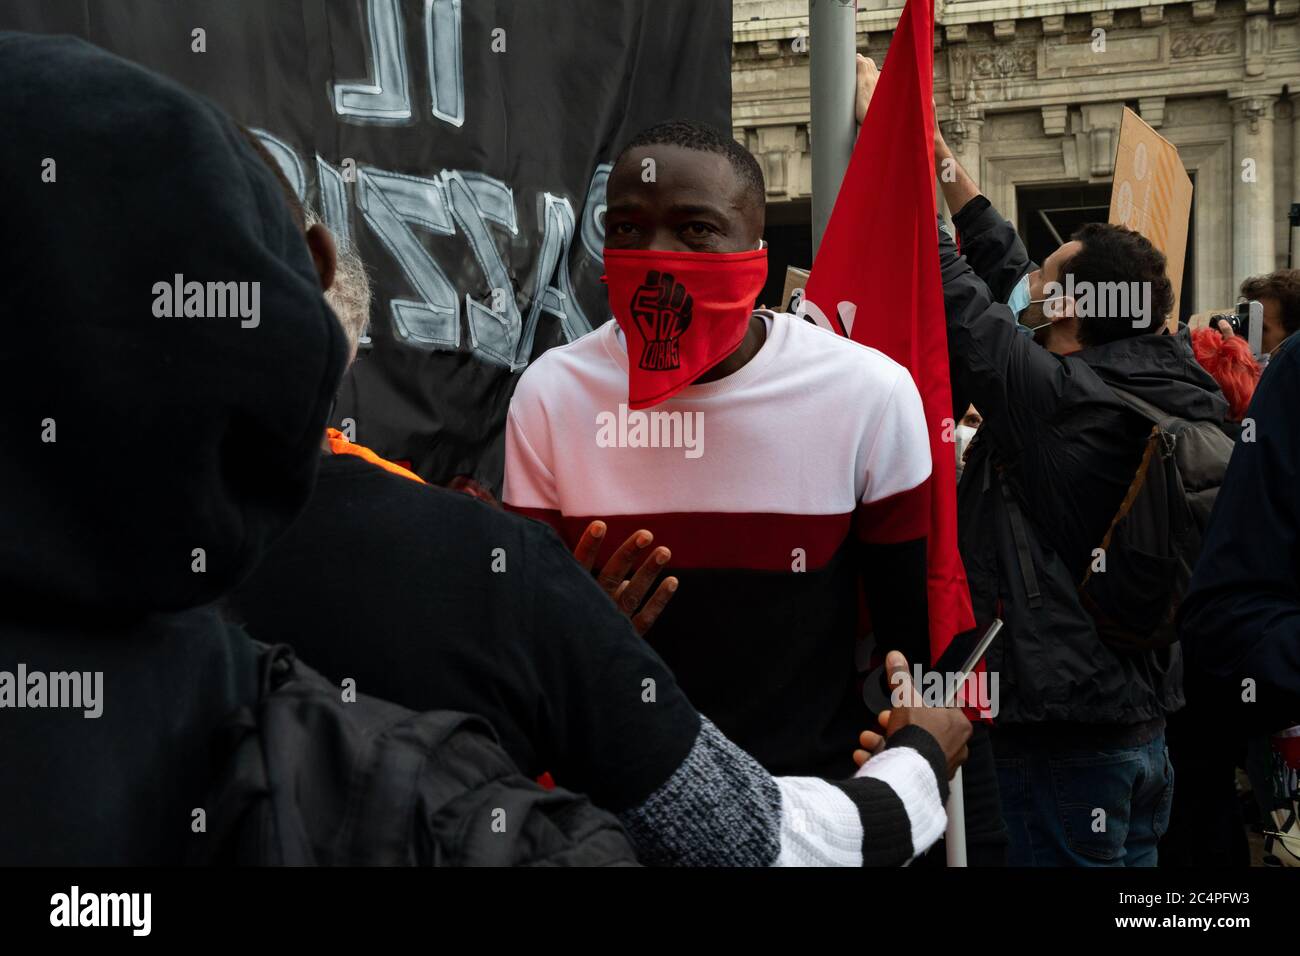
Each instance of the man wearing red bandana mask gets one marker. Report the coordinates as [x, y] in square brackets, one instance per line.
[767, 453]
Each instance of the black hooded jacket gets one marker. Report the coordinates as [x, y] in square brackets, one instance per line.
[1058, 445]
[1241, 616]
[147, 461]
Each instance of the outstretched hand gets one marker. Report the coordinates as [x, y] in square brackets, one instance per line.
[629, 593]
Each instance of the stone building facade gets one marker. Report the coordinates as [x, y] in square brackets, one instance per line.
[1029, 95]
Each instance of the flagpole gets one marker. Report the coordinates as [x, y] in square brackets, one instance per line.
[832, 36]
[954, 836]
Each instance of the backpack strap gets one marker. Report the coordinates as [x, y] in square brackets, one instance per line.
[1159, 435]
[1130, 496]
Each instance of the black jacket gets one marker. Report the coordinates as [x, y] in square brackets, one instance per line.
[1241, 616]
[415, 614]
[1059, 448]
[147, 460]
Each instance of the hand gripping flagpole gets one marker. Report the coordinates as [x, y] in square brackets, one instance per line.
[954, 836]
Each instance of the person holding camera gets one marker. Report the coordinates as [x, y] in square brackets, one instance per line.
[1278, 293]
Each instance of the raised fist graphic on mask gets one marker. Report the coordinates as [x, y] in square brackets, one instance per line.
[661, 307]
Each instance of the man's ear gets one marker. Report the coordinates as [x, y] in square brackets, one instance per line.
[323, 254]
[1062, 308]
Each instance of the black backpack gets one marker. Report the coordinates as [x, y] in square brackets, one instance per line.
[312, 780]
[1155, 537]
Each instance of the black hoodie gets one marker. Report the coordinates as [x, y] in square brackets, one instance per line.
[147, 460]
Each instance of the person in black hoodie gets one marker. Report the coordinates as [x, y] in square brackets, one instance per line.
[1084, 775]
[149, 456]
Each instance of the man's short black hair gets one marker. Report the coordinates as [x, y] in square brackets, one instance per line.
[1113, 253]
[689, 134]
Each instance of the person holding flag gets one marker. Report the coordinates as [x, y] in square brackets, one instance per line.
[876, 279]
[784, 466]
[1084, 773]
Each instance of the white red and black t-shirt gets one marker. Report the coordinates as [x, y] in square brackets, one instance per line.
[776, 488]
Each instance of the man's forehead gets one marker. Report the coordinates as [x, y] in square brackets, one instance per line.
[681, 176]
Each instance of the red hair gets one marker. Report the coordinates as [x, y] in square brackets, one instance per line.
[1229, 363]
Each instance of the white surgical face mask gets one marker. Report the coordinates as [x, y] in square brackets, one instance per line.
[1019, 299]
[964, 434]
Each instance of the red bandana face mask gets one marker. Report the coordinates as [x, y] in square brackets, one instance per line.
[681, 313]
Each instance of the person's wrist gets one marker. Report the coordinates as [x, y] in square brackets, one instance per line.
[941, 151]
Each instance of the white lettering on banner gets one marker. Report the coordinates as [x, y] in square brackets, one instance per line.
[476, 199]
[385, 95]
[446, 71]
[391, 204]
[286, 159]
[454, 202]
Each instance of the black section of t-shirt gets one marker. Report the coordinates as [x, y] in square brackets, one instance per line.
[769, 658]
[434, 600]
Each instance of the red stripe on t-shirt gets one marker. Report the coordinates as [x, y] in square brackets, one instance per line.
[901, 517]
[759, 542]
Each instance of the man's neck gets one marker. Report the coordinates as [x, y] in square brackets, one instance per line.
[754, 338]
[1060, 340]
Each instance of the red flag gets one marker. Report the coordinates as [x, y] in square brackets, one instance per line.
[880, 253]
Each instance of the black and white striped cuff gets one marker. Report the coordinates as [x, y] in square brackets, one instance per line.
[721, 808]
[900, 795]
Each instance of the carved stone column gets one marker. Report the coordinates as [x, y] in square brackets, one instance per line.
[1252, 186]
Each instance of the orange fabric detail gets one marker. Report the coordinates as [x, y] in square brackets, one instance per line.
[339, 445]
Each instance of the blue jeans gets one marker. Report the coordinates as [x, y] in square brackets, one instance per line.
[1076, 807]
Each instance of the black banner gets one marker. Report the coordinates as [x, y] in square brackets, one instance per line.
[461, 145]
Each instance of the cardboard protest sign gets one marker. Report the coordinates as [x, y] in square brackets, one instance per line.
[1152, 194]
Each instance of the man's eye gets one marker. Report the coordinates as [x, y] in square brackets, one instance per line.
[623, 229]
[699, 228]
